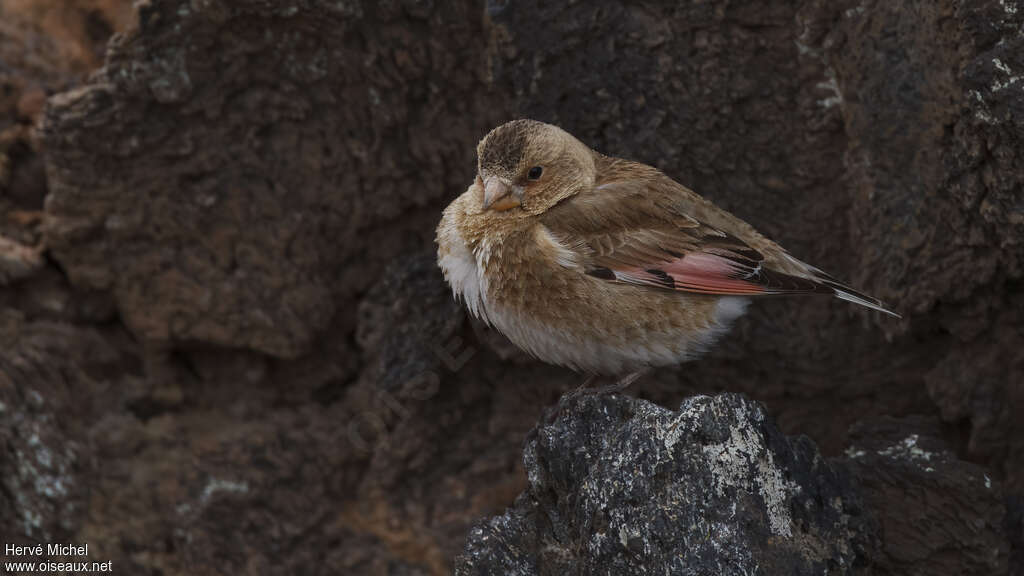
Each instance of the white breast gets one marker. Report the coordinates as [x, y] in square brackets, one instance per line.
[460, 269]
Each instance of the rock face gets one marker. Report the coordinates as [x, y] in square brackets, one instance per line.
[44, 458]
[46, 46]
[286, 151]
[621, 486]
[225, 339]
[936, 514]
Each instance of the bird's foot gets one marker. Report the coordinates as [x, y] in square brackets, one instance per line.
[620, 385]
[569, 397]
[585, 390]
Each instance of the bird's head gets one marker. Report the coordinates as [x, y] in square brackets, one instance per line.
[525, 167]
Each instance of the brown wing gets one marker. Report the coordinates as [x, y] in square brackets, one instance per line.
[640, 227]
[635, 231]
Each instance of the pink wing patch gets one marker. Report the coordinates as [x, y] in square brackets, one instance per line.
[702, 272]
[698, 272]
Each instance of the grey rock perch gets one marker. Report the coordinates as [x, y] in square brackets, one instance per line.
[622, 486]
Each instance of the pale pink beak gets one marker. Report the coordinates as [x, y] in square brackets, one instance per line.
[500, 195]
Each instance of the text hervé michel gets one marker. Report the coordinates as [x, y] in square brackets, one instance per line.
[51, 558]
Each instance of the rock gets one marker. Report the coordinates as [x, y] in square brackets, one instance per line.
[435, 414]
[286, 155]
[52, 374]
[17, 261]
[1015, 527]
[45, 46]
[947, 166]
[48, 399]
[937, 514]
[73, 33]
[621, 486]
[235, 462]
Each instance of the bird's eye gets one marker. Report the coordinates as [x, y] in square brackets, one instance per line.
[534, 173]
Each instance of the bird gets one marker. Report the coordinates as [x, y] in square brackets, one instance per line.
[604, 265]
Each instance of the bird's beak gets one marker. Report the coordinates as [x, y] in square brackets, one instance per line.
[500, 195]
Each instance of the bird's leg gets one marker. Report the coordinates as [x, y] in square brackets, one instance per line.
[622, 383]
[579, 391]
[568, 397]
[627, 380]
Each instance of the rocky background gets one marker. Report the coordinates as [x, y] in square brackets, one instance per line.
[226, 348]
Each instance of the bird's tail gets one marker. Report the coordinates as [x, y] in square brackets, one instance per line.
[826, 283]
[850, 295]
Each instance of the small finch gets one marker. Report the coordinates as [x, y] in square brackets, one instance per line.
[604, 265]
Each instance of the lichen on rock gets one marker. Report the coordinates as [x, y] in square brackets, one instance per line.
[621, 486]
